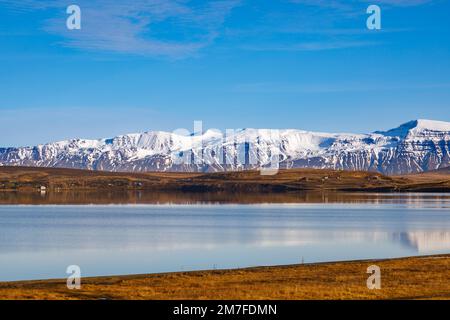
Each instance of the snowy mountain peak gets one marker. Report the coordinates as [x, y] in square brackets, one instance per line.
[415, 127]
[432, 125]
[415, 146]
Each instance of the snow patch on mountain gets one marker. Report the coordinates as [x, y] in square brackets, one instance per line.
[416, 146]
[416, 127]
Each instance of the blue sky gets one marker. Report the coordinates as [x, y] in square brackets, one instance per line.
[159, 65]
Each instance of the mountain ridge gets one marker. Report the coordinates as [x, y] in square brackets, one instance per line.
[416, 146]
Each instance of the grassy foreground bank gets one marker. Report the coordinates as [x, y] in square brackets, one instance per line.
[407, 278]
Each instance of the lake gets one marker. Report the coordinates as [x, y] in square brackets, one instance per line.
[40, 241]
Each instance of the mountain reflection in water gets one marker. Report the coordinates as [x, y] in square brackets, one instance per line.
[148, 197]
[150, 233]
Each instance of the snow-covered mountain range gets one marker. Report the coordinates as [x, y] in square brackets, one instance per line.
[416, 146]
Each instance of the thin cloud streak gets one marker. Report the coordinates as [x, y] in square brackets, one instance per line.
[267, 87]
[350, 5]
[313, 46]
[328, 14]
[128, 27]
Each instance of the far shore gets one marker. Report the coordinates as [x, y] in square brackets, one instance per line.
[425, 277]
[56, 180]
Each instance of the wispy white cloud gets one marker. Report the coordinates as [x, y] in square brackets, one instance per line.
[128, 26]
[400, 3]
[180, 28]
[350, 5]
[312, 46]
[300, 88]
[332, 4]
[320, 26]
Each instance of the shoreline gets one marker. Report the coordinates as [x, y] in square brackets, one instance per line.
[211, 198]
[26, 185]
[421, 277]
[46, 180]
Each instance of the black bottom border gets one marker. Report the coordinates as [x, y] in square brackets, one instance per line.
[225, 309]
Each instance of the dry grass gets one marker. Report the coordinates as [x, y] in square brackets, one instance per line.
[409, 278]
[294, 180]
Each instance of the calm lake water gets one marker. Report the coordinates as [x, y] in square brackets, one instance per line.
[40, 241]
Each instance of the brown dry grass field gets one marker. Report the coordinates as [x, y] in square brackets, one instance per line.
[406, 278]
[291, 180]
